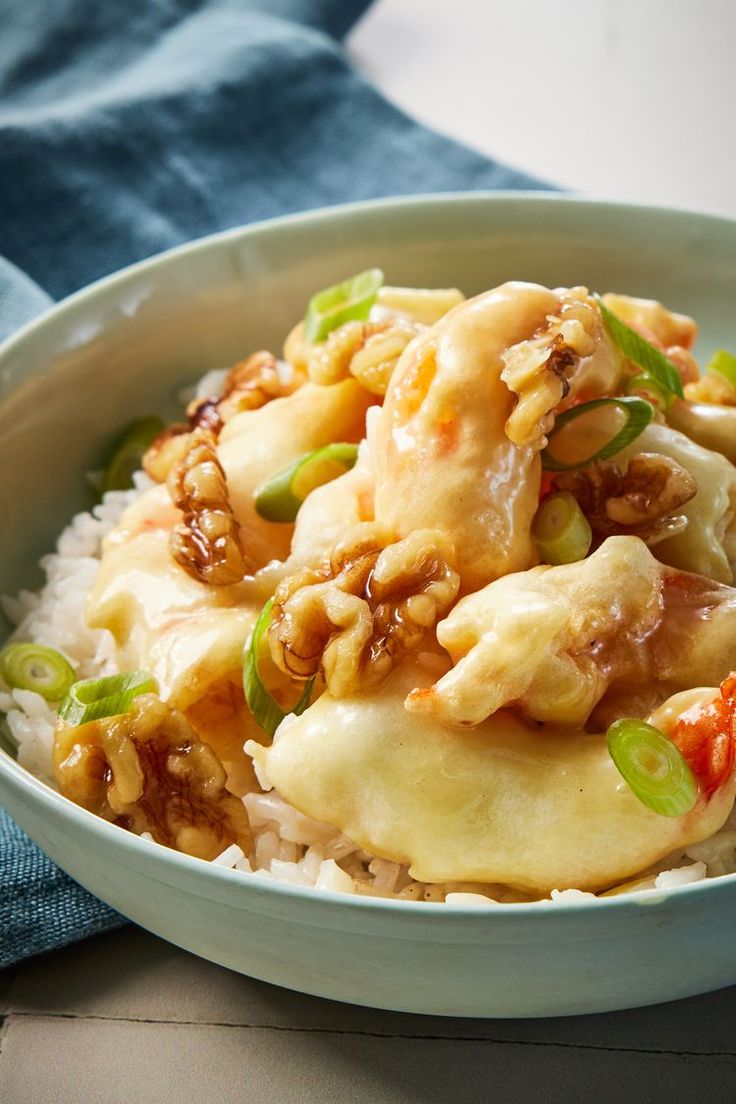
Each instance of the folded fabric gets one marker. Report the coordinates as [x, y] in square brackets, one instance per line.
[126, 129]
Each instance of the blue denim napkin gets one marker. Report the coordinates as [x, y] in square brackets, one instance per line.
[127, 128]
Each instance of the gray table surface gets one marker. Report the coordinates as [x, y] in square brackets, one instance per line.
[127, 1018]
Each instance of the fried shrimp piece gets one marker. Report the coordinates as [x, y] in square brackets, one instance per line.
[207, 542]
[360, 614]
[707, 545]
[660, 325]
[366, 350]
[329, 511]
[712, 427]
[570, 354]
[249, 385]
[505, 802]
[147, 771]
[673, 333]
[554, 640]
[642, 501]
[443, 458]
[712, 388]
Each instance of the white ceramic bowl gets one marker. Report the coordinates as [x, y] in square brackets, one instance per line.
[124, 347]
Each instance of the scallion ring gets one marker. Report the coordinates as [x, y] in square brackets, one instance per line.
[642, 353]
[647, 388]
[652, 767]
[724, 363]
[350, 300]
[38, 668]
[93, 699]
[280, 498]
[561, 530]
[126, 459]
[266, 710]
[638, 412]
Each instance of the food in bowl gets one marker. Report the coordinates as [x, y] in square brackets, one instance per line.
[439, 606]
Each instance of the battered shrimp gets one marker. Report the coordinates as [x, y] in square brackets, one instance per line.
[554, 640]
[443, 454]
[504, 802]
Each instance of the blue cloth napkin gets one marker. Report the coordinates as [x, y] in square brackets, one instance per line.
[127, 128]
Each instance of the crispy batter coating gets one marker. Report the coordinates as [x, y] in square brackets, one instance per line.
[554, 641]
[569, 352]
[641, 501]
[250, 384]
[206, 543]
[147, 771]
[664, 327]
[711, 388]
[358, 615]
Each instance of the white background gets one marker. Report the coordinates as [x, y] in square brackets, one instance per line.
[626, 100]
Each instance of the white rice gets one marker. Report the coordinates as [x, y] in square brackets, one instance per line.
[288, 847]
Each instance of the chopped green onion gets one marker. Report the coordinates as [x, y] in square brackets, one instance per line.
[93, 699]
[266, 710]
[118, 475]
[38, 668]
[646, 388]
[281, 497]
[638, 412]
[724, 363]
[344, 302]
[637, 349]
[561, 530]
[653, 768]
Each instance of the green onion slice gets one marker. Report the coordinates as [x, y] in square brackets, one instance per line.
[561, 530]
[637, 349]
[647, 388]
[638, 413]
[93, 699]
[266, 710]
[352, 299]
[724, 363]
[38, 668]
[281, 497]
[652, 767]
[118, 475]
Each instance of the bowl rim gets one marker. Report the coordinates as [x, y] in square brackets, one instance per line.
[27, 784]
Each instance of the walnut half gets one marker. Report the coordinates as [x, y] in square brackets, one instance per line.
[571, 351]
[640, 502]
[250, 384]
[147, 771]
[359, 615]
[206, 543]
[368, 351]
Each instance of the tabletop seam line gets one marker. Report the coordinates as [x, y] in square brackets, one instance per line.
[419, 1037]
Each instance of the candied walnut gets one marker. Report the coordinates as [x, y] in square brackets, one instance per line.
[543, 370]
[712, 388]
[165, 451]
[206, 543]
[250, 384]
[640, 502]
[148, 771]
[366, 350]
[357, 616]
